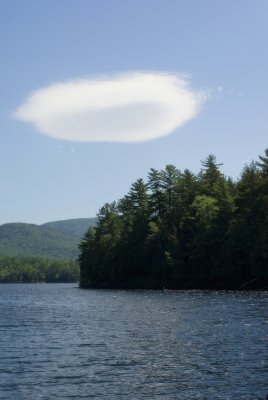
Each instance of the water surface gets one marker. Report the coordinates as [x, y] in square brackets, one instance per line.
[61, 342]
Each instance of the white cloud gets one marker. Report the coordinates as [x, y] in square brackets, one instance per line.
[131, 107]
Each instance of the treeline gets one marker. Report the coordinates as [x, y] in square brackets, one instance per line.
[181, 230]
[37, 269]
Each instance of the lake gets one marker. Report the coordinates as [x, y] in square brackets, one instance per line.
[61, 342]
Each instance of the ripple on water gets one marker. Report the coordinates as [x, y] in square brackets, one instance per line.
[61, 342]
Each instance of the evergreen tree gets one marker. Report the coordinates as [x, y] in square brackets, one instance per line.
[168, 180]
[156, 199]
[210, 173]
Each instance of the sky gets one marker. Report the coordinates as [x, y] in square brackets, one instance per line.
[95, 93]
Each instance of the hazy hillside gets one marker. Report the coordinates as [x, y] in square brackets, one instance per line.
[76, 228]
[33, 240]
[52, 240]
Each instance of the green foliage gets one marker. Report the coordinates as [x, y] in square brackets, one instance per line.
[181, 230]
[206, 210]
[37, 269]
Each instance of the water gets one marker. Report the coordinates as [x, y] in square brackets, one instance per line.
[60, 342]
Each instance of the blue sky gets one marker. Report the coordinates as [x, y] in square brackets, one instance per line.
[221, 46]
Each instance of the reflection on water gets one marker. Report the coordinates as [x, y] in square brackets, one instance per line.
[60, 342]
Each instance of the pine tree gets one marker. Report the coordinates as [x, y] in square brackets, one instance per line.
[210, 174]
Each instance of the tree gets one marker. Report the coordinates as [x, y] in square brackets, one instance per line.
[210, 174]
[264, 163]
[156, 200]
[169, 177]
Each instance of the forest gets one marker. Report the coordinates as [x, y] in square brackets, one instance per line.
[19, 269]
[181, 230]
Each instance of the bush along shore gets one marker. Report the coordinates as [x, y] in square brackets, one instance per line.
[180, 230]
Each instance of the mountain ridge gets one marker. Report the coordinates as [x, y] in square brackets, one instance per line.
[76, 227]
[54, 239]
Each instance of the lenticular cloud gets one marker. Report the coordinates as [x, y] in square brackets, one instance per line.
[131, 107]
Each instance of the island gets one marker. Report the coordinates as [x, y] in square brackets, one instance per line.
[183, 230]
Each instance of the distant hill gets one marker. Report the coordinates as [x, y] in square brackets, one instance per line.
[57, 239]
[75, 228]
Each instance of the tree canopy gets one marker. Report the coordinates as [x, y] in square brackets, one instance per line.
[183, 230]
